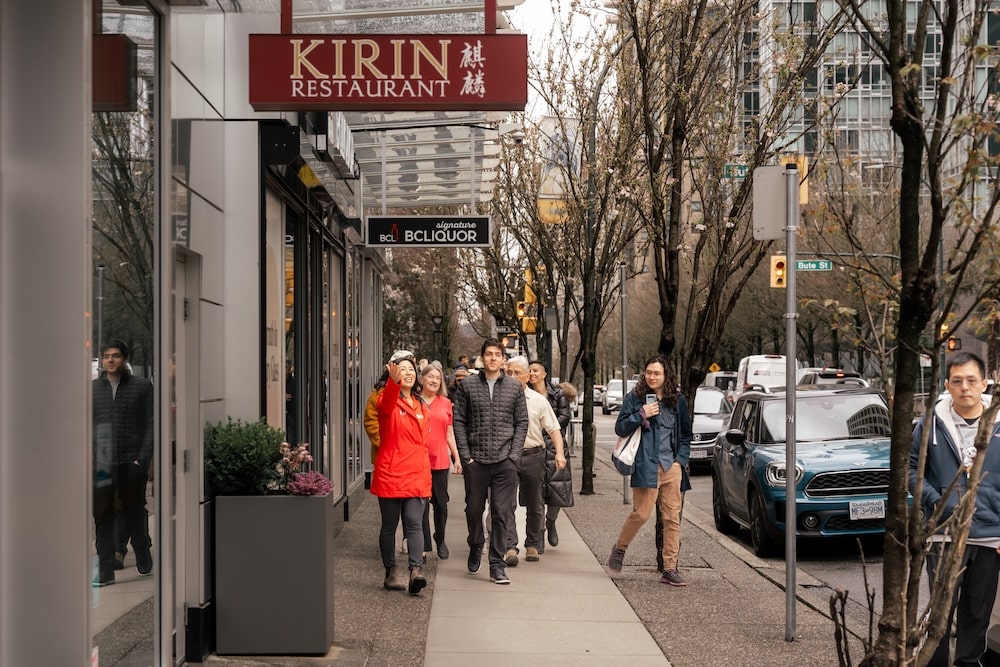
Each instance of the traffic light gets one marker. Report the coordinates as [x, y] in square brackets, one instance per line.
[954, 344]
[529, 286]
[522, 309]
[529, 325]
[778, 272]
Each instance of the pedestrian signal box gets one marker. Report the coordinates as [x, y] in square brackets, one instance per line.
[779, 272]
[954, 344]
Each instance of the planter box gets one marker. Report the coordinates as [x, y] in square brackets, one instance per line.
[274, 574]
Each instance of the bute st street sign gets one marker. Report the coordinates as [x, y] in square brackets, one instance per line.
[813, 265]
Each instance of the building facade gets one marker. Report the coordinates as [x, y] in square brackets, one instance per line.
[143, 199]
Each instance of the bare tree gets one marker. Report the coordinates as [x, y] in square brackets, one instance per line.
[707, 92]
[942, 125]
[124, 231]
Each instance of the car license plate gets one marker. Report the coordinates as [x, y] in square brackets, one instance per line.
[867, 509]
[699, 453]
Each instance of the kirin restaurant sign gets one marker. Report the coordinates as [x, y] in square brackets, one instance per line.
[292, 72]
[428, 231]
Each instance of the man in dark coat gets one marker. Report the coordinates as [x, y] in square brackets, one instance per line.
[558, 480]
[123, 451]
[491, 423]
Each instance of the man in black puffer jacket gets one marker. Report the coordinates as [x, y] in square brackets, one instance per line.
[123, 450]
[491, 422]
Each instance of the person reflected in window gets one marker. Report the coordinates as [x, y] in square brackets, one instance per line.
[123, 451]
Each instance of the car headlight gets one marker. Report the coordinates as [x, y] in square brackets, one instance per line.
[775, 473]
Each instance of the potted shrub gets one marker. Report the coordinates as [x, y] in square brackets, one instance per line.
[272, 516]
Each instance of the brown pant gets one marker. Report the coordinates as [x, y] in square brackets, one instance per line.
[667, 496]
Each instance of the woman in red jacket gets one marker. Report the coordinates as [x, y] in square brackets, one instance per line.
[402, 474]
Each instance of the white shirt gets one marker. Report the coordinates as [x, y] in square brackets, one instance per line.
[540, 417]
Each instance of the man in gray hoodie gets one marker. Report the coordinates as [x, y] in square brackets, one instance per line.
[951, 451]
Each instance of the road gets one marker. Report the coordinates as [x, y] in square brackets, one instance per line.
[822, 566]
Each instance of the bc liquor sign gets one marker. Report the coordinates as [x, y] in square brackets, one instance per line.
[428, 231]
[292, 72]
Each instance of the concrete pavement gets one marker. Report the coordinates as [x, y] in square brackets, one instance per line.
[567, 609]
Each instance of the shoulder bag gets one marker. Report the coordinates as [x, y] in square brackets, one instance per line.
[623, 456]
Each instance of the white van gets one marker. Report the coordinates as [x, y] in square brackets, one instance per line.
[724, 380]
[761, 369]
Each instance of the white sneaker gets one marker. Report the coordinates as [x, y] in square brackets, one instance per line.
[402, 546]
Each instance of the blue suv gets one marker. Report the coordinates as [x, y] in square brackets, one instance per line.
[841, 465]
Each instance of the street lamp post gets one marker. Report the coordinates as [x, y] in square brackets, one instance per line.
[437, 321]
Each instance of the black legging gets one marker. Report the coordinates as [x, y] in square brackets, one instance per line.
[412, 512]
[439, 500]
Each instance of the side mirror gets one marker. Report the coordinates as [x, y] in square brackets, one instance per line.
[736, 437]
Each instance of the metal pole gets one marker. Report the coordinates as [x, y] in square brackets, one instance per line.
[791, 314]
[626, 481]
[100, 310]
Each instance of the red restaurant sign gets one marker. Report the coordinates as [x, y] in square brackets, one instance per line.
[388, 72]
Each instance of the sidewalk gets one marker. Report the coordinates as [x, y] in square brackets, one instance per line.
[561, 610]
[566, 609]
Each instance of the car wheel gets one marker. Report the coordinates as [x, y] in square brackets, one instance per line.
[763, 544]
[720, 512]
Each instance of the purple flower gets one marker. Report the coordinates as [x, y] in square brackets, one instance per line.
[310, 483]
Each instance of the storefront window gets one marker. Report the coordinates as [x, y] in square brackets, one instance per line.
[125, 148]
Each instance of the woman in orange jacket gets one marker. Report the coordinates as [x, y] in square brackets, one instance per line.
[402, 473]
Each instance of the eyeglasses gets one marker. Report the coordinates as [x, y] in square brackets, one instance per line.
[961, 382]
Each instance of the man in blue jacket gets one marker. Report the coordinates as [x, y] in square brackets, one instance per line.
[950, 453]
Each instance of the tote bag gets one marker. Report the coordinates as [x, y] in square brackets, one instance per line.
[623, 455]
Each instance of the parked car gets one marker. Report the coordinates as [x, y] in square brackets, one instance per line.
[711, 410]
[613, 395]
[833, 376]
[841, 465]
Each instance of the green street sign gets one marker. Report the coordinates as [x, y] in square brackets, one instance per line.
[736, 171]
[813, 265]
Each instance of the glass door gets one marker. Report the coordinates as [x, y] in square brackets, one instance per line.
[125, 183]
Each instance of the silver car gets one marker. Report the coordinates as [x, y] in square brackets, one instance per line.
[612, 398]
[711, 412]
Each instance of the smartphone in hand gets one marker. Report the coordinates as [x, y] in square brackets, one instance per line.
[650, 398]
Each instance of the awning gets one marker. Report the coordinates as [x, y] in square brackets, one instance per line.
[412, 159]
